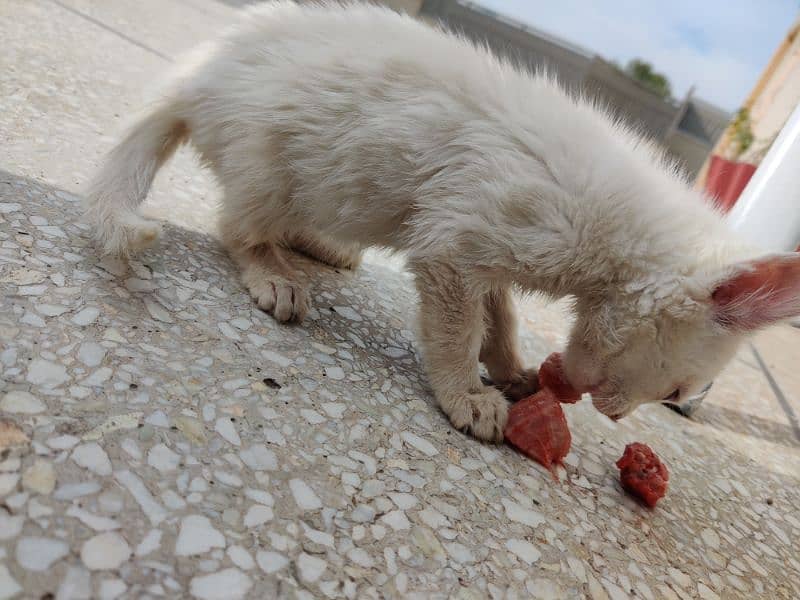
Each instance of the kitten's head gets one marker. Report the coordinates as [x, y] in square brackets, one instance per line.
[666, 340]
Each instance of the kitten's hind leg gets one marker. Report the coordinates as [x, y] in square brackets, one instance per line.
[272, 283]
[339, 256]
[253, 225]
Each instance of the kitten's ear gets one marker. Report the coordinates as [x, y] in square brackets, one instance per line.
[759, 293]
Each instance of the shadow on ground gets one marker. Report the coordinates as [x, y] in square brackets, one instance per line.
[378, 329]
[736, 421]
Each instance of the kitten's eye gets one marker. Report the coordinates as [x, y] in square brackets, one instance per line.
[673, 396]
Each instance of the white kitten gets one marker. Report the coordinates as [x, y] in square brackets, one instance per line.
[332, 129]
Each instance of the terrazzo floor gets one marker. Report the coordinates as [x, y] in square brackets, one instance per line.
[159, 436]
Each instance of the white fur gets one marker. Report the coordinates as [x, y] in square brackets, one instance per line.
[356, 127]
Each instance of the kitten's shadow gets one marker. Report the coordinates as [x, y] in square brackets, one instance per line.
[369, 309]
[720, 417]
[188, 282]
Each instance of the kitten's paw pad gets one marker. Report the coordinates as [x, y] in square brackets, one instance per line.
[286, 300]
[523, 384]
[482, 415]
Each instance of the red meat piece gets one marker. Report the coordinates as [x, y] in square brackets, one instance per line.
[642, 474]
[538, 428]
[551, 375]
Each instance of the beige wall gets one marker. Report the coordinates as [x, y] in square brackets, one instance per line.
[770, 103]
[777, 99]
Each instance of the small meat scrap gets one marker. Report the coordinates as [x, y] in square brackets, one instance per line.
[642, 474]
[538, 428]
[551, 375]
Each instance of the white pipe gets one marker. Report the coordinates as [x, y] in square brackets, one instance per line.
[768, 211]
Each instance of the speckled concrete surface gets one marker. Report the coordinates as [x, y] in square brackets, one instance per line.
[160, 436]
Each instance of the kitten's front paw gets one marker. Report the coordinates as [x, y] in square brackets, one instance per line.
[482, 415]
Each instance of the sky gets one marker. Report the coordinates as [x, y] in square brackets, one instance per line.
[719, 46]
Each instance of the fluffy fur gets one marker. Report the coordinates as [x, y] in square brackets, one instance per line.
[335, 128]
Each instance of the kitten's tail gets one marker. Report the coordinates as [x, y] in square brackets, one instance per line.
[122, 184]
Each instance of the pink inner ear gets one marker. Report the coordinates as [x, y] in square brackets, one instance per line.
[761, 293]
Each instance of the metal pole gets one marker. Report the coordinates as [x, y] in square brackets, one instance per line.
[768, 211]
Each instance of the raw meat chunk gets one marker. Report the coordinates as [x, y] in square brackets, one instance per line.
[538, 428]
[551, 375]
[642, 474]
